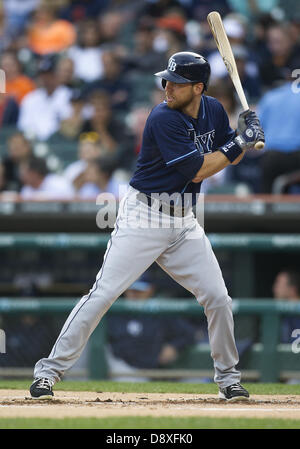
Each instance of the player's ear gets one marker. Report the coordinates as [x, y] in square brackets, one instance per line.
[198, 88]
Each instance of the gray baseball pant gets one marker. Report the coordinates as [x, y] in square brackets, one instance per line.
[182, 249]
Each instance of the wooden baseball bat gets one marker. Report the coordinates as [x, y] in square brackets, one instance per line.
[217, 28]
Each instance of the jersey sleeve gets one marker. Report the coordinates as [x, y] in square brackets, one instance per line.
[176, 146]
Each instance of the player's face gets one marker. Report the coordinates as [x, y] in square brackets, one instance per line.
[179, 96]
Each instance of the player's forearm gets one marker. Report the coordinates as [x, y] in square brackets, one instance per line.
[212, 164]
[249, 133]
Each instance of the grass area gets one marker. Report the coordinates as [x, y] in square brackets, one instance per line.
[154, 387]
[148, 422]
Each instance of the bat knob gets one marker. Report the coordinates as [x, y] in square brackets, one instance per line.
[259, 145]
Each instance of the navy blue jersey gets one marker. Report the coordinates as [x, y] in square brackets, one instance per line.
[174, 145]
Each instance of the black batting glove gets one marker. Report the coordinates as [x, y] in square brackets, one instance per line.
[246, 119]
[249, 130]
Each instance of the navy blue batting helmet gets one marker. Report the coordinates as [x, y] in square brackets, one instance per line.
[186, 67]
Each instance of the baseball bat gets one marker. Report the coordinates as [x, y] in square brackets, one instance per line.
[218, 31]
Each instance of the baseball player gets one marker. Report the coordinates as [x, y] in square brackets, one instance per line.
[186, 139]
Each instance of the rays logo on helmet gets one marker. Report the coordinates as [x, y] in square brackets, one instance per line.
[172, 65]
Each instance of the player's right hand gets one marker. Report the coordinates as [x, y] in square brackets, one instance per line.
[246, 119]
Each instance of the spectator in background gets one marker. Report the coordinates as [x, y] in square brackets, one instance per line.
[86, 54]
[248, 175]
[9, 110]
[18, 152]
[246, 59]
[78, 10]
[170, 40]
[71, 127]
[249, 74]
[2, 178]
[89, 149]
[140, 342]
[97, 178]
[286, 287]
[171, 32]
[65, 73]
[113, 134]
[42, 110]
[111, 23]
[282, 149]
[5, 37]
[17, 84]
[294, 25]
[248, 172]
[47, 34]
[144, 58]
[40, 184]
[291, 9]
[223, 90]
[27, 339]
[102, 121]
[284, 55]
[141, 61]
[258, 40]
[112, 82]
[236, 31]
[158, 8]
[128, 12]
[135, 121]
[17, 14]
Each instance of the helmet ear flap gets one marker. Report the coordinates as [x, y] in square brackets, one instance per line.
[163, 83]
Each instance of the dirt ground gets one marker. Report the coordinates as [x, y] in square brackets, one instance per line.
[17, 403]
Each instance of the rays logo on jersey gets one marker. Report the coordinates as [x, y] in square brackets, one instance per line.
[203, 142]
[172, 65]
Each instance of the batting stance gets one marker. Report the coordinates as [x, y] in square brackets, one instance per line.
[186, 139]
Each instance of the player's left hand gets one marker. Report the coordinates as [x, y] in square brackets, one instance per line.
[249, 130]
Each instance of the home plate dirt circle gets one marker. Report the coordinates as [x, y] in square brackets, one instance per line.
[17, 403]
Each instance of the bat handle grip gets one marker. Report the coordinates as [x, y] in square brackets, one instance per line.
[259, 145]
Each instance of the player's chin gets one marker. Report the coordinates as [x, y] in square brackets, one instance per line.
[172, 104]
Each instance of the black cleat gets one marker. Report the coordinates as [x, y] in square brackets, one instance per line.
[41, 388]
[235, 392]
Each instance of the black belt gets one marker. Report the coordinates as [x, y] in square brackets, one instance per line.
[169, 209]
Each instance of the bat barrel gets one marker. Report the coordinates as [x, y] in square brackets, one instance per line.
[217, 28]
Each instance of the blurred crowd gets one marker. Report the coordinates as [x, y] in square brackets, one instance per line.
[80, 85]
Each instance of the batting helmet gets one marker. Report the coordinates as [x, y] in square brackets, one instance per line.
[186, 67]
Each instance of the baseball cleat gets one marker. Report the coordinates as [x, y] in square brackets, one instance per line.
[41, 388]
[235, 392]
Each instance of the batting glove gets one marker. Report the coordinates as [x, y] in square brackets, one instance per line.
[249, 130]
